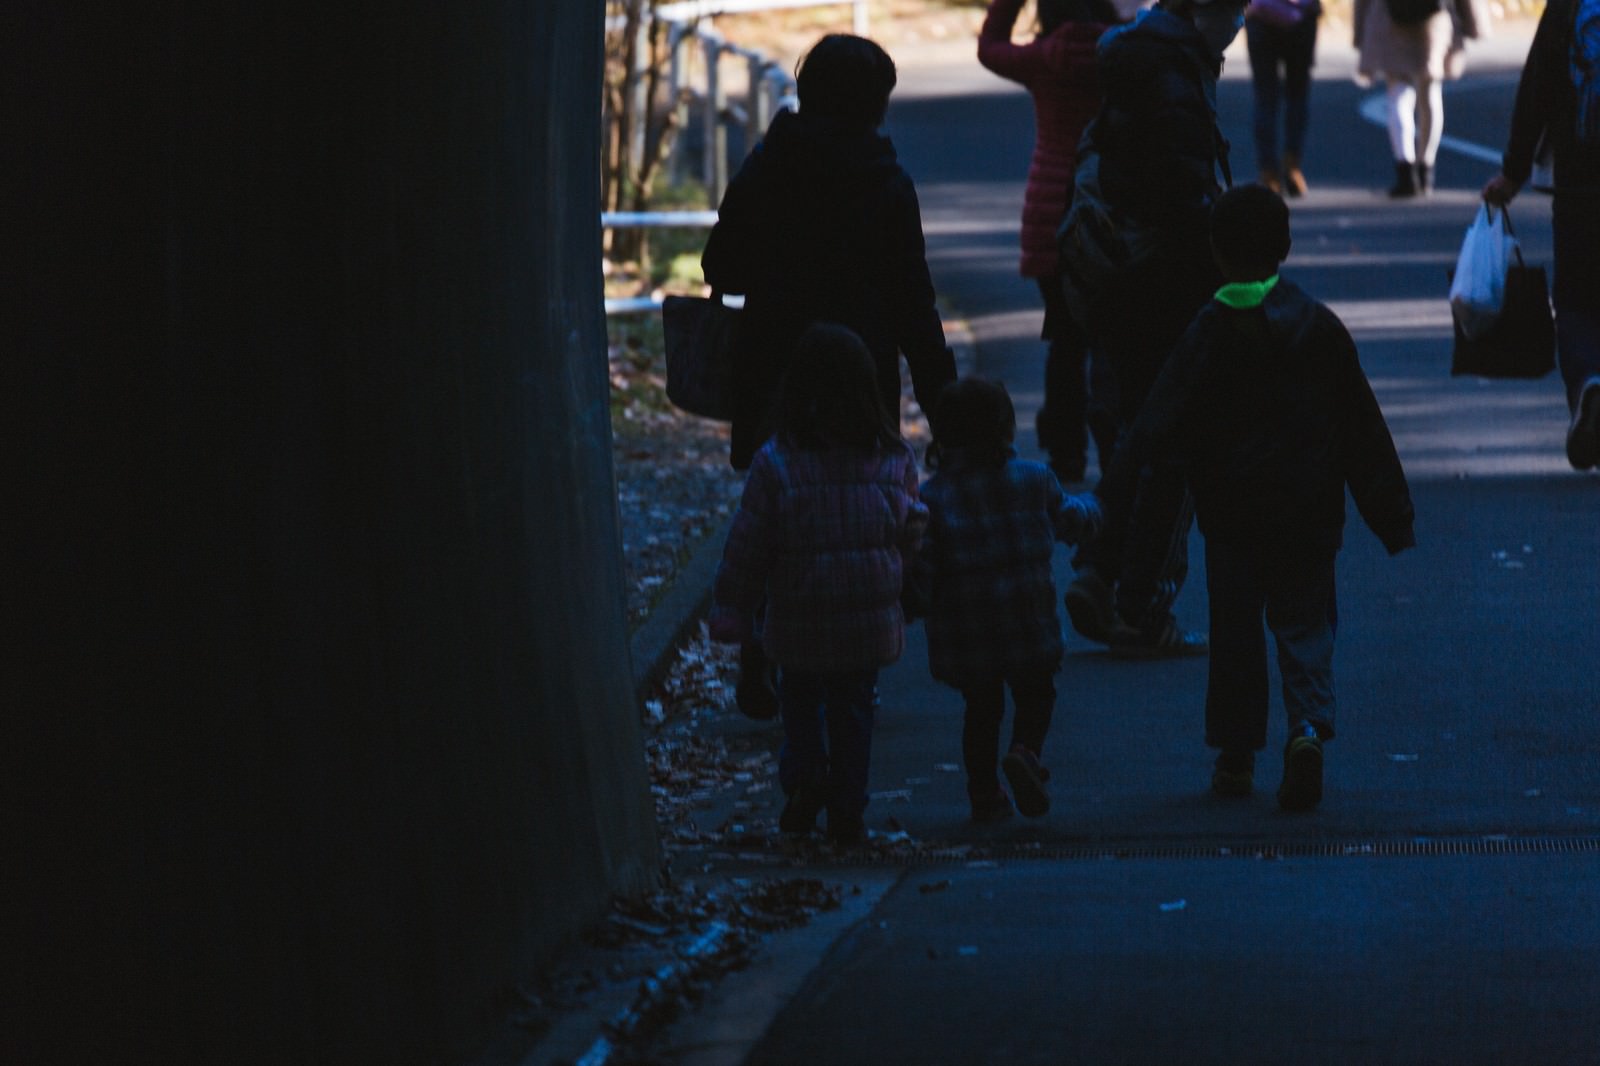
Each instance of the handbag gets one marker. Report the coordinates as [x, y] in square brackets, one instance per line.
[1522, 341]
[700, 334]
[1477, 285]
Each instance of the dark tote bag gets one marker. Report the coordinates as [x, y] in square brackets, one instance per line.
[1522, 341]
[700, 334]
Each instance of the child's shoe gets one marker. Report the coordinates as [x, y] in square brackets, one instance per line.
[1583, 436]
[995, 808]
[800, 812]
[1302, 772]
[1234, 774]
[1027, 778]
[845, 828]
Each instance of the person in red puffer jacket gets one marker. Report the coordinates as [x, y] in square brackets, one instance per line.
[1058, 69]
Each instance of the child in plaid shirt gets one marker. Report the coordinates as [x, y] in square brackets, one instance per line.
[985, 565]
[814, 566]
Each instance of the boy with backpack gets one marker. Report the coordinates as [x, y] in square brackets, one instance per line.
[1265, 402]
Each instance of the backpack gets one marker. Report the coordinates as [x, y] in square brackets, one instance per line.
[1096, 241]
[1413, 12]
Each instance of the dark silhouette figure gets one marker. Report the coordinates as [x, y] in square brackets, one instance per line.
[1266, 403]
[1057, 68]
[1282, 39]
[992, 621]
[814, 567]
[1558, 107]
[821, 224]
[1159, 155]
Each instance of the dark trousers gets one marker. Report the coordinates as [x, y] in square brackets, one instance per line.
[1576, 232]
[827, 726]
[1075, 403]
[1289, 50]
[1294, 590]
[1034, 693]
[1144, 551]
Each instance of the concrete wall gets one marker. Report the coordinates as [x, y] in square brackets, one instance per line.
[317, 730]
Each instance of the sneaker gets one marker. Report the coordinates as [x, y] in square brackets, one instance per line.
[756, 692]
[1089, 605]
[801, 810]
[1583, 438]
[846, 829]
[1168, 642]
[997, 808]
[1234, 774]
[1027, 778]
[1302, 773]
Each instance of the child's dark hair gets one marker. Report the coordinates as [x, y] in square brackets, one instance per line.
[976, 418]
[847, 79]
[1053, 14]
[1250, 230]
[829, 397]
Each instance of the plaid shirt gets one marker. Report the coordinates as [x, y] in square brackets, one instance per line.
[986, 564]
[820, 539]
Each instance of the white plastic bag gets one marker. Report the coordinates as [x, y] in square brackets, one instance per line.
[1478, 289]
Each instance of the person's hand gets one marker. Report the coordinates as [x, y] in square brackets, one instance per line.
[1500, 190]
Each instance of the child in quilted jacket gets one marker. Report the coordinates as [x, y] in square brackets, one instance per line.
[813, 568]
[993, 524]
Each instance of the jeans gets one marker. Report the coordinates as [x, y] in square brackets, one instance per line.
[827, 726]
[1295, 591]
[1289, 49]
[1576, 230]
[1034, 693]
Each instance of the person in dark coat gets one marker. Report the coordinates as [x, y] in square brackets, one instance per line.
[821, 223]
[1159, 153]
[994, 521]
[1558, 108]
[1057, 68]
[1265, 401]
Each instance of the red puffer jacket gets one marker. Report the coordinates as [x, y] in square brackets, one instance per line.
[1059, 71]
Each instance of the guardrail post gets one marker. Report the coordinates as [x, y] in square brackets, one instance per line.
[716, 136]
[756, 113]
[678, 82]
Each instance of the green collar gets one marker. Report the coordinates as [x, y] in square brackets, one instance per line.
[1243, 295]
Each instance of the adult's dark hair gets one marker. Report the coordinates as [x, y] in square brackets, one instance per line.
[1053, 14]
[829, 397]
[976, 417]
[1250, 229]
[847, 79]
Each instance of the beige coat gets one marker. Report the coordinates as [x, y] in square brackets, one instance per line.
[1432, 51]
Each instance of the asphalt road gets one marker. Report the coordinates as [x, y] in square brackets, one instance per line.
[1441, 905]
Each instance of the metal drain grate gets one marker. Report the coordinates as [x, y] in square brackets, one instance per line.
[1493, 844]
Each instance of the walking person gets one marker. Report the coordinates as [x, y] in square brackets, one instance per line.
[1414, 46]
[1058, 70]
[1266, 402]
[813, 570]
[992, 621]
[821, 224]
[1281, 36]
[1558, 107]
[1158, 151]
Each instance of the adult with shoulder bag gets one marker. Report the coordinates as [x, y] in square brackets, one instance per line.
[1557, 116]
